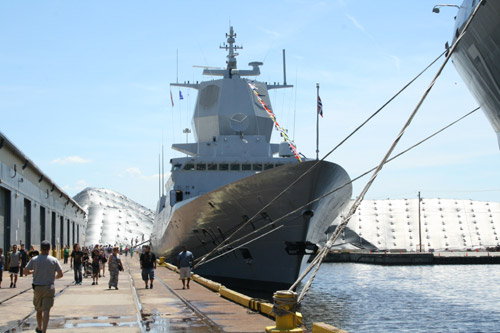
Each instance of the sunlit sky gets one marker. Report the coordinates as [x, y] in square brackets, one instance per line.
[84, 88]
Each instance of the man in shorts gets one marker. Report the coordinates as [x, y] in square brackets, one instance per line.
[14, 263]
[148, 266]
[45, 269]
[185, 260]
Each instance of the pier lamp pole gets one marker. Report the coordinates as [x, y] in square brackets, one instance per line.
[419, 225]
[317, 121]
[186, 131]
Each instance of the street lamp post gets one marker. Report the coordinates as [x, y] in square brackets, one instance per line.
[186, 131]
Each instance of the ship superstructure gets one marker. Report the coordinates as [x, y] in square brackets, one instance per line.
[231, 172]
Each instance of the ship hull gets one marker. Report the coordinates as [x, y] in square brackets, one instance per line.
[273, 260]
[477, 57]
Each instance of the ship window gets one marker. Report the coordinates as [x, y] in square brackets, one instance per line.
[189, 166]
[201, 167]
[176, 167]
[268, 166]
[212, 166]
[246, 167]
[257, 167]
[235, 167]
[223, 167]
[278, 165]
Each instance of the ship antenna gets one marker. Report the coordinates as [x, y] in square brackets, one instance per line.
[231, 48]
[284, 68]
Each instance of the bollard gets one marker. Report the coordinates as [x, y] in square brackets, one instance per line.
[162, 261]
[62, 253]
[54, 253]
[285, 303]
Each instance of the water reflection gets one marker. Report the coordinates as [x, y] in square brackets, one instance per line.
[367, 298]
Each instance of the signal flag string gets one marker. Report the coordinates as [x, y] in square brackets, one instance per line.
[202, 259]
[228, 246]
[283, 132]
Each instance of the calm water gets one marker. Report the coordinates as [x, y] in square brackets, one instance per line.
[370, 298]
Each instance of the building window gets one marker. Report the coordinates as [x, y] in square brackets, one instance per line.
[201, 167]
[212, 166]
[268, 166]
[27, 223]
[223, 167]
[5, 219]
[53, 230]
[257, 167]
[246, 167]
[61, 231]
[42, 224]
[235, 167]
[189, 167]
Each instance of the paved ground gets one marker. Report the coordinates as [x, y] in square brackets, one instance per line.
[132, 308]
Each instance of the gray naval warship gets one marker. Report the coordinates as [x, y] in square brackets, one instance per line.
[230, 173]
[477, 56]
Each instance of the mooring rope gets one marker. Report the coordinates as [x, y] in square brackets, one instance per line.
[230, 244]
[319, 258]
[203, 258]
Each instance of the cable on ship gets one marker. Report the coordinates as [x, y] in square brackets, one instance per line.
[201, 260]
[327, 194]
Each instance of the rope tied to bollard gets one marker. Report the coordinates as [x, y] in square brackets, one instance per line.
[285, 302]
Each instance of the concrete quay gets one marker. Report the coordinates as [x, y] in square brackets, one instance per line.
[131, 308]
[416, 258]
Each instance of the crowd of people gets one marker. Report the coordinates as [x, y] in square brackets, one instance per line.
[16, 261]
[85, 261]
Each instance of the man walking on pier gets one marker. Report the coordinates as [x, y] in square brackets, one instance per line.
[14, 264]
[185, 260]
[148, 265]
[24, 259]
[44, 268]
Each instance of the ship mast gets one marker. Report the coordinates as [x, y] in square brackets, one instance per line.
[231, 57]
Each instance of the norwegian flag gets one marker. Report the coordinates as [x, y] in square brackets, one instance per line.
[320, 107]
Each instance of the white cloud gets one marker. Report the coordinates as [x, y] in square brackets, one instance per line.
[275, 34]
[70, 160]
[355, 22]
[134, 172]
[77, 187]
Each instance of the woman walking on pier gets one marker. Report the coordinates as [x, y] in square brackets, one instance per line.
[114, 267]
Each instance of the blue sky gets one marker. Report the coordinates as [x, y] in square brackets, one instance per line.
[84, 88]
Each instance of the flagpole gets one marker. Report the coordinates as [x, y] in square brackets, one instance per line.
[317, 121]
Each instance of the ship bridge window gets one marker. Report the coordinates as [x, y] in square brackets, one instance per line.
[257, 167]
[189, 166]
[175, 197]
[176, 167]
[246, 166]
[212, 166]
[268, 166]
[201, 167]
[235, 167]
[223, 167]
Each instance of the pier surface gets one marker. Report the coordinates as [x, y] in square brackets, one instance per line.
[131, 308]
